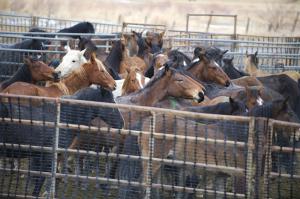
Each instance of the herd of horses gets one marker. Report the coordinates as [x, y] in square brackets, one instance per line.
[139, 71]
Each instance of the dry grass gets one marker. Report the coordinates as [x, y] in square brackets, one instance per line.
[170, 13]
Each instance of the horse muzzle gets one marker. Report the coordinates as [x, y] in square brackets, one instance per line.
[57, 76]
[199, 97]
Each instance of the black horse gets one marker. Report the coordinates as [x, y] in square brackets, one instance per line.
[212, 52]
[44, 136]
[230, 70]
[82, 27]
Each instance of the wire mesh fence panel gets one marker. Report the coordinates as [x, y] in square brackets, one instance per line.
[282, 168]
[81, 149]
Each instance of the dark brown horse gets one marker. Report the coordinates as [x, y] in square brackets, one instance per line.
[92, 72]
[31, 72]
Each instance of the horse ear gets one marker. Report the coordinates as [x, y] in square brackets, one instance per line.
[82, 52]
[225, 51]
[231, 101]
[255, 54]
[161, 35]
[28, 61]
[231, 59]
[67, 47]
[93, 58]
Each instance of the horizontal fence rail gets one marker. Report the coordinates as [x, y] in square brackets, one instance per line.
[163, 152]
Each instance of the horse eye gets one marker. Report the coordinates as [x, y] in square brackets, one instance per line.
[179, 80]
[73, 61]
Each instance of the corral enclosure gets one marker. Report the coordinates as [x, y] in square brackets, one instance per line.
[166, 154]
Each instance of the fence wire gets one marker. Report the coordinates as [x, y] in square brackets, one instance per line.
[66, 148]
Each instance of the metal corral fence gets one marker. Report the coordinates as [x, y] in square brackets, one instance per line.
[159, 153]
[271, 52]
[23, 23]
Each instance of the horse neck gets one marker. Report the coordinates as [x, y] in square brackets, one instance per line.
[198, 71]
[250, 67]
[150, 95]
[76, 80]
[23, 74]
[114, 59]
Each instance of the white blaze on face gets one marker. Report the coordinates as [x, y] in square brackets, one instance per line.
[184, 63]
[70, 62]
[195, 60]
[118, 91]
[260, 101]
[139, 78]
[216, 64]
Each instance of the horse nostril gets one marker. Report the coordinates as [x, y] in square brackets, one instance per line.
[227, 83]
[200, 97]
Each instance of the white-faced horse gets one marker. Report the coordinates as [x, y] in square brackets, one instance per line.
[71, 61]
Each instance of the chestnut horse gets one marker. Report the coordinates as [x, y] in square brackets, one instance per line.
[92, 72]
[134, 81]
[31, 72]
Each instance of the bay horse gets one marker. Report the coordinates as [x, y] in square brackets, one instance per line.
[251, 65]
[212, 53]
[90, 47]
[208, 70]
[92, 72]
[31, 71]
[72, 60]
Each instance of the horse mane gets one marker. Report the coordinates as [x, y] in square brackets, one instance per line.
[114, 58]
[23, 74]
[176, 53]
[264, 110]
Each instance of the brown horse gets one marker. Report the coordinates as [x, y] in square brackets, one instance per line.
[32, 71]
[134, 81]
[89, 73]
[128, 62]
[251, 66]
[207, 70]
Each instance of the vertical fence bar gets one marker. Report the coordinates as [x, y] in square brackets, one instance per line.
[268, 160]
[150, 155]
[55, 147]
[250, 169]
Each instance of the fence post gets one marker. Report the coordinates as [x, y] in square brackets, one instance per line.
[268, 160]
[150, 155]
[34, 21]
[55, 147]
[250, 169]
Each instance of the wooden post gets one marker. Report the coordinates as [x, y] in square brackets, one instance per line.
[247, 25]
[250, 171]
[295, 21]
[209, 21]
[187, 22]
[268, 161]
